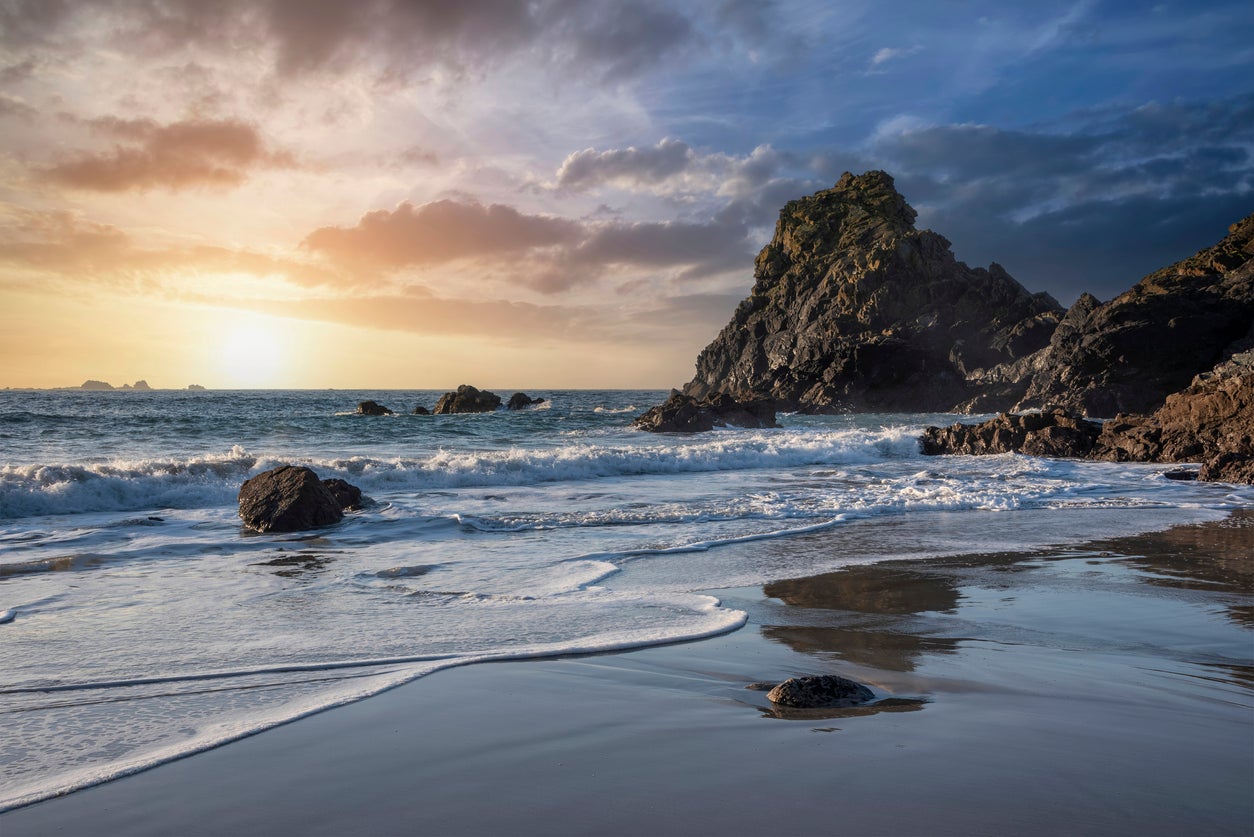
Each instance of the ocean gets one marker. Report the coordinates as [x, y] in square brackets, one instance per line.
[139, 622]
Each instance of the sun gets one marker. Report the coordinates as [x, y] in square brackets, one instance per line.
[251, 355]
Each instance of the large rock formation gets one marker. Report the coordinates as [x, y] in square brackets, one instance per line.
[685, 414]
[1129, 354]
[855, 309]
[467, 399]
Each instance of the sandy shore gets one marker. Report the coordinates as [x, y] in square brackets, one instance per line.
[1102, 690]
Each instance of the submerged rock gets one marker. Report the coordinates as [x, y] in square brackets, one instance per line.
[467, 399]
[421, 411]
[371, 408]
[819, 691]
[289, 498]
[685, 414]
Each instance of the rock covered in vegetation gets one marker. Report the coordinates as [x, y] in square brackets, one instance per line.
[289, 498]
[685, 414]
[467, 399]
[371, 408]
[855, 309]
[819, 691]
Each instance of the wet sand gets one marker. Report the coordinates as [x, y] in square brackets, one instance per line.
[1107, 689]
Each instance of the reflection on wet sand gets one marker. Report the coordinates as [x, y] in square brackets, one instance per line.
[1119, 595]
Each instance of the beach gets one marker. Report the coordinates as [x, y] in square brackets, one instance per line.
[1102, 688]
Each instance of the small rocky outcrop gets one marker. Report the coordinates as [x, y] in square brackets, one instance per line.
[96, 385]
[195, 388]
[1211, 421]
[421, 411]
[347, 495]
[467, 399]
[521, 401]
[372, 408]
[685, 414]
[1055, 433]
[819, 691]
[855, 309]
[289, 498]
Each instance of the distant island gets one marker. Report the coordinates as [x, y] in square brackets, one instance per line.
[100, 386]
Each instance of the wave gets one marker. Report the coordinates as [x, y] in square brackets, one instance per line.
[213, 480]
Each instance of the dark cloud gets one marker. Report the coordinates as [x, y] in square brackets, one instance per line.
[634, 166]
[175, 156]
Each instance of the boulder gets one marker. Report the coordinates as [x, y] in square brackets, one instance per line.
[371, 408]
[520, 401]
[1230, 466]
[467, 399]
[289, 498]
[819, 691]
[345, 493]
[421, 411]
[685, 414]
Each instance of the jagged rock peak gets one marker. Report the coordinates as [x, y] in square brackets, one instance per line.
[853, 308]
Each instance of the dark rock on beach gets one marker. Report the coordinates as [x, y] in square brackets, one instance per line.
[467, 399]
[1211, 421]
[1056, 433]
[521, 401]
[289, 498]
[819, 691]
[685, 414]
[347, 495]
[371, 408]
[855, 309]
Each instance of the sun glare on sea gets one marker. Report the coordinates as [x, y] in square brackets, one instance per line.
[251, 355]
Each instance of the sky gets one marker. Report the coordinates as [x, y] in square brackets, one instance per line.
[388, 194]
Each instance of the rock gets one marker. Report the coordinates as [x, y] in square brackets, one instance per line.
[370, 408]
[520, 401]
[1129, 354]
[347, 495]
[855, 309]
[141, 385]
[1211, 421]
[1231, 466]
[287, 499]
[685, 414]
[1055, 433]
[467, 399]
[195, 388]
[421, 411]
[819, 691]
[96, 385]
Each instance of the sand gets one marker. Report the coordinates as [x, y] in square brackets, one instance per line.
[1099, 690]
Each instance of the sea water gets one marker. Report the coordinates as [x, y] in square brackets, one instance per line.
[140, 622]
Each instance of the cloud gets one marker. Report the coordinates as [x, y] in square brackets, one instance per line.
[439, 232]
[179, 155]
[886, 54]
[631, 167]
[397, 38]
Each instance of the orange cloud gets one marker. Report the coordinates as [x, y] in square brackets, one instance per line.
[176, 156]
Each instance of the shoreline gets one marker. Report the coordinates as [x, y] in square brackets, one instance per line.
[1092, 688]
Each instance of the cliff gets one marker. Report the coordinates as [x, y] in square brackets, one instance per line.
[855, 309]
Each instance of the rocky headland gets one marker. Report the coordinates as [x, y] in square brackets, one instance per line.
[853, 309]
